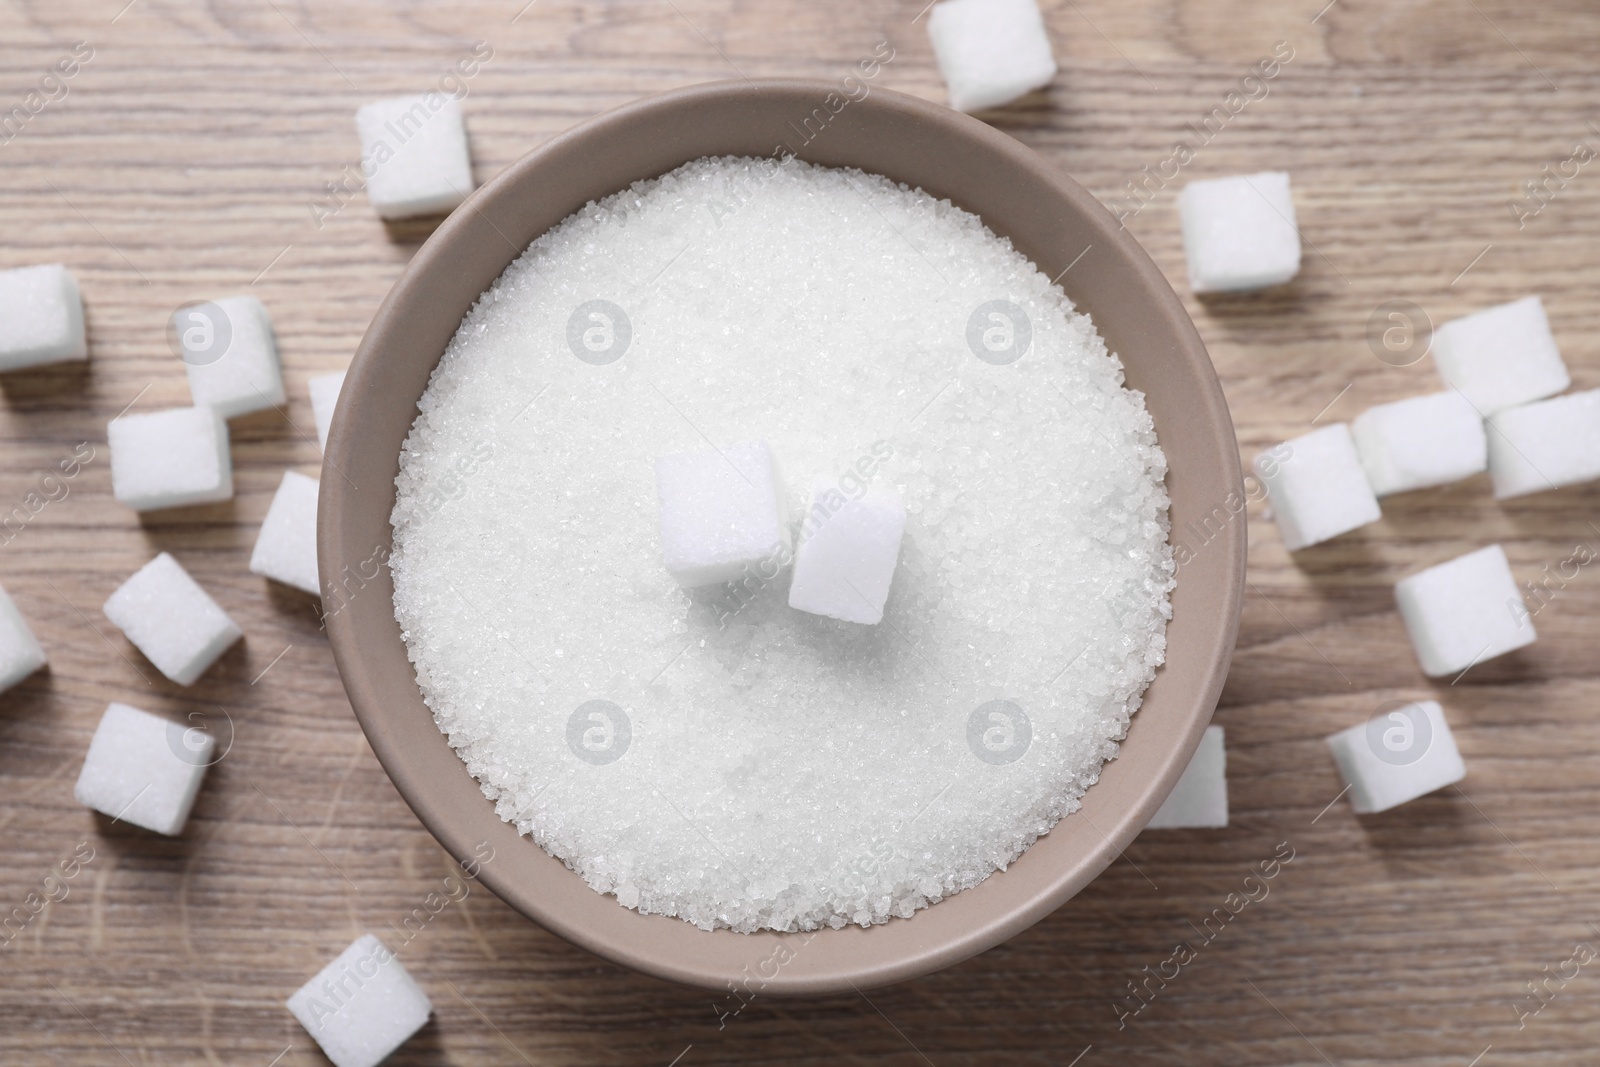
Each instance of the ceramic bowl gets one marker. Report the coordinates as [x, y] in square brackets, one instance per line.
[1020, 195]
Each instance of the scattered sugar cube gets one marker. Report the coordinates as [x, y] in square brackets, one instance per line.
[20, 653]
[167, 459]
[1420, 442]
[1397, 757]
[990, 52]
[246, 376]
[848, 551]
[1464, 612]
[41, 317]
[171, 619]
[1317, 486]
[362, 1006]
[1501, 356]
[286, 547]
[1200, 799]
[144, 769]
[415, 149]
[722, 511]
[1545, 445]
[324, 398]
[1239, 233]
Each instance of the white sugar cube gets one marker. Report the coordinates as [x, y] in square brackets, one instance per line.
[990, 52]
[1398, 756]
[171, 619]
[230, 355]
[1200, 799]
[849, 545]
[286, 547]
[1239, 233]
[20, 653]
[324, 398]
[362, 1006]
[1420, 442]
[1464, 612]
[1501, 356]
[1545, 445]
[144, 769]
[722, 512]
[415, 150]
[168, 459]
[1317, 486]
[41, 317]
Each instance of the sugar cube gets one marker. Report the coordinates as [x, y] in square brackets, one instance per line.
[41, 317]
[1200, 799]
[168, 459]
[362, 1006]
[849, 545]
[1397, 756]
[1501, 356]
[20, 653]
[1545, 445]
[1464, 611]
[723, 511]
[1420, 442]
[1317, 486]
[144, 769]
[324, 398]
[414, 149]
[990, 52]
[1239, 233]
[286, 547]
[230, 355]
[169, 618]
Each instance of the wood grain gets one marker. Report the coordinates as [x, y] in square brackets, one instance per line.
[183, 163]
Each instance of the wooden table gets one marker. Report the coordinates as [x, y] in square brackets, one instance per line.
[187, 160]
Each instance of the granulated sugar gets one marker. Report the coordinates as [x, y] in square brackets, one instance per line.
[716, 754]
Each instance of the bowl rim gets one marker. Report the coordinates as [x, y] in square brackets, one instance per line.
[625, 939]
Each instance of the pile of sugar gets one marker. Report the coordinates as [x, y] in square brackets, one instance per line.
[780, 770]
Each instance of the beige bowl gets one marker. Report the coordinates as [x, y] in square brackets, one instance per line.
[1052, 220]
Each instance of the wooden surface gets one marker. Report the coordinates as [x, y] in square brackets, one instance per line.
[184, 162]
